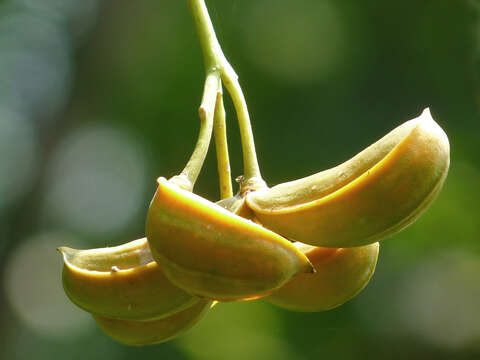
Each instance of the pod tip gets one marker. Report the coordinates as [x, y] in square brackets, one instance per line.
[62, 249]
[426, 114]
[66, 251]
[309, 268]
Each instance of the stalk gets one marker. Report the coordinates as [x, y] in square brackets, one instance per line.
[189, 175]
[221, 146]
[215, 60]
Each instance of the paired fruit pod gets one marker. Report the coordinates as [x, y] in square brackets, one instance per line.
[372, 196]
[121, 282]
[139, 333]
[340, 275]
[210, 252]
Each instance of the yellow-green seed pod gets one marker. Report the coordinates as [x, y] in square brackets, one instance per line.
[139, 333]
[121, 282]
[210, 252]
[340, 275]
[375, 194]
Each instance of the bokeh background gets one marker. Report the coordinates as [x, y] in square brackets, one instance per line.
[98, 98]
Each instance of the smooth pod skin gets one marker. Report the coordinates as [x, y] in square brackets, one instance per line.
[121, 282]
[372, 196]
[139, 333]
[213, 253]
[340, 275]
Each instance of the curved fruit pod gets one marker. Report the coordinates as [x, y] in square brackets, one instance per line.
[375, 194]
[139, 333]
[340, 275]
[121, 282]
[210, 252]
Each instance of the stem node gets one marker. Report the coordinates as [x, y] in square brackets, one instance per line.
[216, 62]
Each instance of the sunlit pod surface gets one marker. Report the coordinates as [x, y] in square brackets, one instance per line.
[340, 275]
[208, 251]
[121, 282]
[375, 194]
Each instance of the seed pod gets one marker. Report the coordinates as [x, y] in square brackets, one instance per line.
[340, 275]
[210, 252]
[375, 194]
[121, 282]
[138, 333]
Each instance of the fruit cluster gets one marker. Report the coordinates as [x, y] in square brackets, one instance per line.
[197, 252]
[306, 245]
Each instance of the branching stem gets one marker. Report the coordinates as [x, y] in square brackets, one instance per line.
[215, 61]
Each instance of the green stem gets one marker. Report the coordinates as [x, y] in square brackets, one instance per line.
[251, 168]
[189, 175]
[221, 146]
[215, 60]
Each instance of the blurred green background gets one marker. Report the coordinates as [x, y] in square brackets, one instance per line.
[97, 99]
